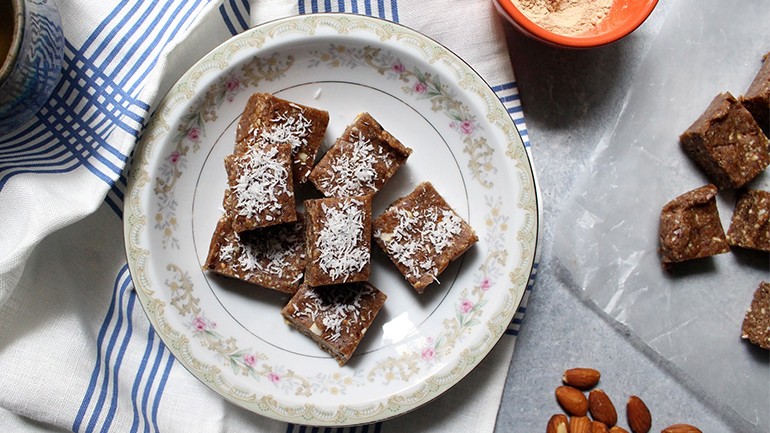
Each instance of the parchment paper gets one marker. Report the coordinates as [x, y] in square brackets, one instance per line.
[607, 236]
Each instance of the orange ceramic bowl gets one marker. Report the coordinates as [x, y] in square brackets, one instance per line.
[624, 17]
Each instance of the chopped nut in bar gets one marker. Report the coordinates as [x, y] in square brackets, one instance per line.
[690, 227]
[336, 317]
[756, 323]
[361, 160]
[750, 225]
[727, 144]
[270, 120]
[338, 240]
[757, 97]
[422, 234]
[272, 257]
[260, 188]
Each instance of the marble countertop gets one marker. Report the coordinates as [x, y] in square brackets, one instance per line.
[570, 99]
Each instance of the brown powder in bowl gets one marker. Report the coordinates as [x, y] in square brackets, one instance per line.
[565, 17]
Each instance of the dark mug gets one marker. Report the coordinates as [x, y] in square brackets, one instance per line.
[31, 51]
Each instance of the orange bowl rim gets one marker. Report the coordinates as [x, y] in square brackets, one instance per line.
[605, 38]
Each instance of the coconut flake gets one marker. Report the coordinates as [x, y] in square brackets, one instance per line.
[353, 172]
[337, 308]
[268, 254]
[420, 236]
[262, 181]
[227, 251]
[287, 128]
[339, 241]
[441, 232]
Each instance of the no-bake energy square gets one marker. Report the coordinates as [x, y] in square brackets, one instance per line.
[750, 224]
[756, 322]
[336, 317]
[422, 234]
[271, 257]
[726, 143]
[361, 160]
[260, 188]
[338, 240]
[690, 227]
[757, 97]
[271, 120]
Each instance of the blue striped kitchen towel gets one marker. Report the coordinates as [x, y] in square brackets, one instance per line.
[77, 351]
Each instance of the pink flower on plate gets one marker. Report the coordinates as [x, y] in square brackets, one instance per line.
[272, 377]
[174, 157]
[466, 127]
[486, 284]
[428, 353]
[200, 323]
[249, 359]
[466, 306]
[420, 87]
[398, 67]
[194, 133]
[232, 84]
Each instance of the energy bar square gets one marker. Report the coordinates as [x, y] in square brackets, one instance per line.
[338, 240]
[335, 317]
[422, 234]
[268, 119]
[271, 257]
[361, 160]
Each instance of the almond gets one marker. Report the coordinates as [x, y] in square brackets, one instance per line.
[616, 429]
[558, 424]
[579, 424]
[581, 378]
[639, 418]
[601, 407]
[599, 427]
[681, 428]
[572, 400]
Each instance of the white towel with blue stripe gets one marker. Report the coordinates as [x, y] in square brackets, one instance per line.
[77, 351]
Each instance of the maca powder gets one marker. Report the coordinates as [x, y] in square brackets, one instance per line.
[565, 17]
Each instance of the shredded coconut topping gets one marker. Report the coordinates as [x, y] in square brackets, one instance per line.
[340, 240]
[262, 181]
[265, 254]
[227, 251]
[338, 308]
[285, 128]
[353, 171]
[419, 236]
[441, 232]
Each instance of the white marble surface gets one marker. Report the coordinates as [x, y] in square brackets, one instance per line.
[570, 99]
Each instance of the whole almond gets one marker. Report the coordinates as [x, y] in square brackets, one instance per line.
[581, 378]
[681, 428]
[558, 424]
[601, 407]
[572, 400]
[639, 417]
[599, 427]
[579, 424]
[616, 429]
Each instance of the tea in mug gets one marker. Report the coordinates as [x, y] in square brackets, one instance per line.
[6, 29]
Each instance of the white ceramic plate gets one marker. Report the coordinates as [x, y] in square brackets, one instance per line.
[231, 335]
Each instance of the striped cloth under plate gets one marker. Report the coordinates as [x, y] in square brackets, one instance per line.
[77, 351]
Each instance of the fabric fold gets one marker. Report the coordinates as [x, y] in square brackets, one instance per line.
[78, 351]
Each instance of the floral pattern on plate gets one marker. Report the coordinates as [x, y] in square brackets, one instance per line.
[226, 334]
